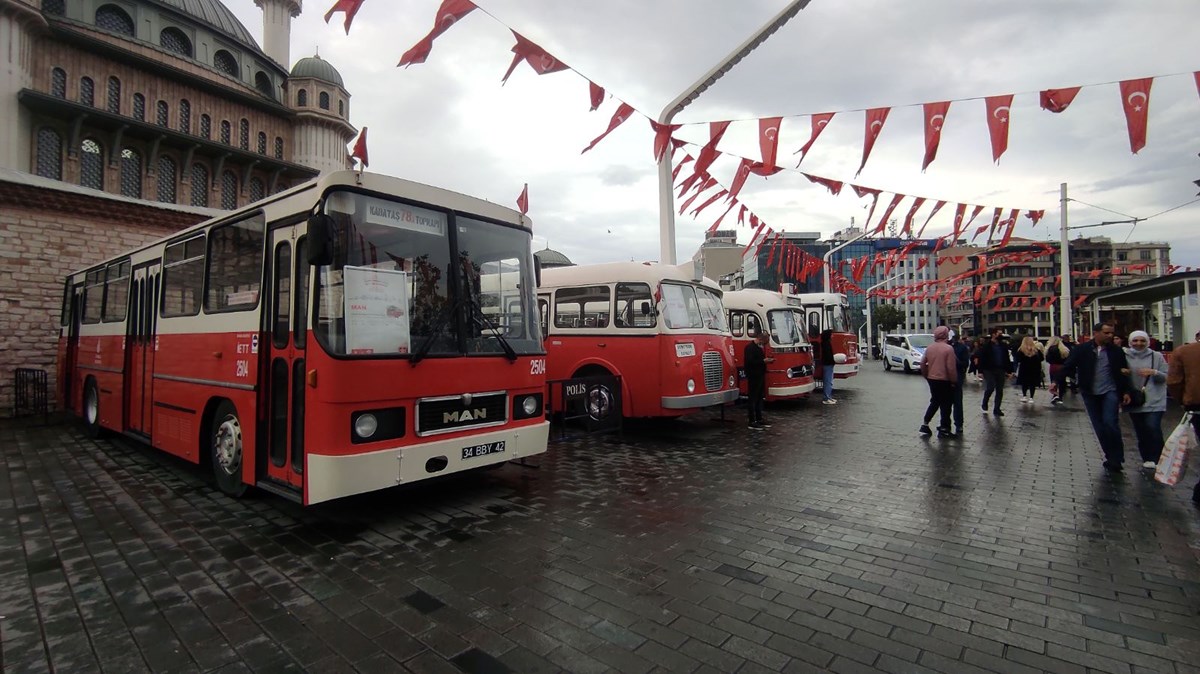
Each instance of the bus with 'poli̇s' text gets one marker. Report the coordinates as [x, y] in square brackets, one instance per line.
[653, 325]
[753, 311]
[827, 311]
[326, 341]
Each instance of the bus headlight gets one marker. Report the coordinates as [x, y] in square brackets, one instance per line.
[529, 405]
[366, 425]
[526, 406]
[732, 383]
[691, 386]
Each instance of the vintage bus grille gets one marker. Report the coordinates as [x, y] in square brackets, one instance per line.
[714, 371]
[442, 415]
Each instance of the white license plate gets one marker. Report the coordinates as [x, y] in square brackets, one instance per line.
[476, 451]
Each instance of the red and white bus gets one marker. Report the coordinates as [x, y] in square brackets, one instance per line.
[827, 311]
[326, 341]
[752, 311]
[663, 333]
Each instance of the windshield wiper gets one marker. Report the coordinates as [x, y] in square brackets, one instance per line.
[427, 344]
[479, 319]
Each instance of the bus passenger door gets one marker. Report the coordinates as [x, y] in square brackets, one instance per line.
[140, 334]
[286, 340]
[70, 369]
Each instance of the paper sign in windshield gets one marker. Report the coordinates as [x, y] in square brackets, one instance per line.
[376, 306]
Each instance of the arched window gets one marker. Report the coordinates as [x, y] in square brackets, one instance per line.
[49, 153]
[139, 107]
[257, 189]
[262, 143]
[205, 126]
[323, 100]
[199, 185]
[262, 82]
[341, 108]
[280, 186]
[225, 62]
[87, 91]
[91, 164]
[229, 186]
[278, 147]
[54, 7]
[114, 95]
[185, 116]
[161, 113]
[58, 83]
[131, 173]
[173, 39]
[166, 179]
[302, 98]
[244, 134]
[113, 18]
[226, 132]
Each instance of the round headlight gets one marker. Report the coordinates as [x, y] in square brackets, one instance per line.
[691, 386]
[366, 425]
[530, 405]
[839, 358]
[790, 374]
[732, 381]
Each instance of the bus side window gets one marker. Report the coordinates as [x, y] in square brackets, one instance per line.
[582, 307]
[633, 306]
[544, 311]
[736, 320]
[235, 265]
[814, 322]
[183, 277]
[753, 325]
[116, 292]
[93, 302]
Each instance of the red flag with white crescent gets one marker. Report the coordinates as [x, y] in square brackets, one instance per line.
[908, 219]
[739, 178]
[597, 94]
[936, 207]
[819, 122]
[539, 59]
[935, 118]
[662, 135]
[861, 192]
[998, 112]
[360, 148]
[886, 214]
[523, 200]
[768, 138]
[974, 214]
[757, 232]
[834, 186]
[874, 124]
[1009, 225]
[1057, 100]
[709, 202]
[1036, 216]
[618, 118]
[995, 223]
[447, 15]
[1135, 97]
[347, 7]
[709, 153]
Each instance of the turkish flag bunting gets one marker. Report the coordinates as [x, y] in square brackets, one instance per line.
[716, 224]
[774, 246]
[699, 190]
[935, 118]
[709, 202]
[974, 214]
[912, 212]
[768, 138]
[618, 118]
[936, 207]
[523, 199]
[1009, 225]
[537, 58]
[741, 213]
[662, 135]
[888, 213]
[675, 174]
[995, 223]
[450, 12]
[739, 178]
[709, 153]
[819, 122]
[1135, 97]
[834, 186]
[1197, 76]
[875, 120]
[760, 169]
[864, 191]
[360, 148]
[959, 213]
[757, 232]
[1057, 100]
[597, 93]
[998, 112]
[1036, 216]
[348, 7]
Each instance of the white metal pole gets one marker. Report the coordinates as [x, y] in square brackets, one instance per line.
[1064, 263]
[825, 258]
[870, 327]
[666, 200]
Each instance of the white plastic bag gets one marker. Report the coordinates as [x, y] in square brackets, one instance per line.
[1173, 463]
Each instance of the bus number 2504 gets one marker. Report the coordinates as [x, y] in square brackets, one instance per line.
[537, 366]
[243, 368]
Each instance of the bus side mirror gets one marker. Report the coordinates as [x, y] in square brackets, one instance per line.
[537, 271]
[320, 250]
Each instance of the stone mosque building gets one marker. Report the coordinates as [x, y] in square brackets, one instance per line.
[124, 120]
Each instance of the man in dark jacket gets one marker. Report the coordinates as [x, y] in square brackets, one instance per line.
[1099, 366]
[756, 379]
[962, 353]
[995, 364]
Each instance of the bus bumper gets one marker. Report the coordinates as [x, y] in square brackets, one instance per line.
[845, 370]
[792, 391]
[699, 400]
[331, 477]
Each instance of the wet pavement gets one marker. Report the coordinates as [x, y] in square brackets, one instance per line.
[838, 540]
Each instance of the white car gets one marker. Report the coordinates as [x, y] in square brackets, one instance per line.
[905, 351]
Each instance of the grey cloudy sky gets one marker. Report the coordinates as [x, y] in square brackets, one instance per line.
[449, 122]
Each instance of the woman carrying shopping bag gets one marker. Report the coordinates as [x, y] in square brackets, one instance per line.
[1148, 372]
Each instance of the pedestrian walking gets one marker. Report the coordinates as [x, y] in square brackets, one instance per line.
[827, 364]
[1056, 354]
[756, 379]
[1099, 367]
[962, 354]
[1148, 370]
[992, 359]
[1183, 385]
[939, 366]
[1029, 368]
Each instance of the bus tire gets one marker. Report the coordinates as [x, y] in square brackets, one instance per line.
[600, 402]
[225, 449]
[91, 409]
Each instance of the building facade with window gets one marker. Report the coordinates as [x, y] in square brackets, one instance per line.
[126, 119]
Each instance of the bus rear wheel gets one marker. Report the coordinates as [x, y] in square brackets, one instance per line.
[225, 446]
[91, 409]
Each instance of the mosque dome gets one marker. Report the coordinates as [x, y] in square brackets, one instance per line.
[214, 14]
[317, 68]
[553, 258]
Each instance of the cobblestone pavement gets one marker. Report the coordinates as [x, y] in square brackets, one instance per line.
[838, 540]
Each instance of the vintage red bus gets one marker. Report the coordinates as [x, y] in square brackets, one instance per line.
[326, 341]
[663, 333]
[827, 311]
[791, 374]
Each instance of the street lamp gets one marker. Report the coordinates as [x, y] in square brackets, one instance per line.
[871, 328]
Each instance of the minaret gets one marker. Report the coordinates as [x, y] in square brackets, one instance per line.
[277, 28]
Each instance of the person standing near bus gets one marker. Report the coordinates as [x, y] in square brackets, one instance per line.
[756, 378]
[940, 369]
[827, 365]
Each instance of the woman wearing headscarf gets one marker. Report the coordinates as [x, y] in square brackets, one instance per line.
[1056, 354]
[1029, 368]
[1148, 371]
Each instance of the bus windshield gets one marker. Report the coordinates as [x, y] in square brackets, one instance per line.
[390, 290]
[691, 307]
[835, 318]
[785, 329]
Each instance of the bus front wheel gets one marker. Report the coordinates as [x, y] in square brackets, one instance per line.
[225, 445]
[91, 409]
